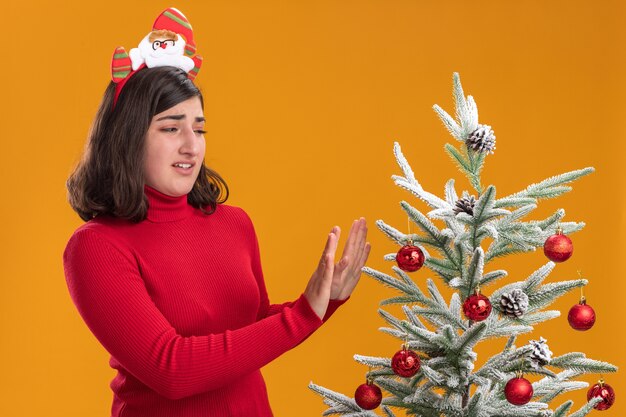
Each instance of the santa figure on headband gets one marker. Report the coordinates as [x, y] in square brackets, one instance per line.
[170, 43]
[159, 48]
[165, 45]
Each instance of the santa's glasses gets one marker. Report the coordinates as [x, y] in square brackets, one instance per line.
[163, 44]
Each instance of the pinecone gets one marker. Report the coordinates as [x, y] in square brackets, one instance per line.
[515, 303]
[482, 139]
[465, 204]
[541, 353]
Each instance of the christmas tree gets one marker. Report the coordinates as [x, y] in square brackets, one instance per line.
[434, 373]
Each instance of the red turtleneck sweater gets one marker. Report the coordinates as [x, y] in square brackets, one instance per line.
[179, 302]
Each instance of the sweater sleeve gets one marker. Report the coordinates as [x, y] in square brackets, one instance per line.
[265, 308]
[106, 286]
[272, 309]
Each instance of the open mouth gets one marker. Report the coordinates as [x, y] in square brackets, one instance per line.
[185, 168]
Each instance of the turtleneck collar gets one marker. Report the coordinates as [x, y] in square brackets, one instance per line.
[165, 208]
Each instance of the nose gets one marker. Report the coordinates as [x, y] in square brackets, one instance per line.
[163, 45]
[191, 143]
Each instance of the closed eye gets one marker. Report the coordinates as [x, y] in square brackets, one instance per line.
[202, 132]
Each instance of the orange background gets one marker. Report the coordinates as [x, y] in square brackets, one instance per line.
[304, 100]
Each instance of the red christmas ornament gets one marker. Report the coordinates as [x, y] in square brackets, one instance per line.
[477, 307]
[518, 391]
[405, 363]
[558, 247]
[410, 258]
[581, 316]
[368, 396]
[605, 391]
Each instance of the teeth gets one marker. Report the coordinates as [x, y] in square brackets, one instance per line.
[183, 165]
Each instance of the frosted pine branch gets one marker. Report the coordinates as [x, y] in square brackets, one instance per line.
[584, 410]
[475, 270]
[450, 124]
[411, 184]
[427, 227]
[388, 412]
[336, 400]
[550, 385]
[373, 361]
[514, 202]
[391, 282]
[450, 191]
[401, 238]
[562, 410]
[553, 186]
[442, 267]
[577, 362]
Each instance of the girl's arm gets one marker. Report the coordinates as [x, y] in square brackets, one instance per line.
[110, 294]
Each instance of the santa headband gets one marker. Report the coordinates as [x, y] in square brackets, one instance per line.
[170, 43]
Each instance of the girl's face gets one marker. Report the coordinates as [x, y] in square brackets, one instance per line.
[174, 148]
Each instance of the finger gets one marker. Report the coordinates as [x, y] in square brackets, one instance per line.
[362, 235]
[350, 246]
[363, 258]
[320, 281]
[321, 265]
[359, 244]
[331, 244]
[329, 258]
[333, 232]
[328, 242]
[365, 254]
[354, 279]
[337, 231]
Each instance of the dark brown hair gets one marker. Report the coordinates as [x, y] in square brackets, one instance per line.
[109, 178]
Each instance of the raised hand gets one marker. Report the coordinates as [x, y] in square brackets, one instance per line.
[347, 271]
[330, 281]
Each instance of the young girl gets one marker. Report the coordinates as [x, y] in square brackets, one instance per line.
[168, 277]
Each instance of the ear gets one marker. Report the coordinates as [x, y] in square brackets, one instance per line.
[120, 64]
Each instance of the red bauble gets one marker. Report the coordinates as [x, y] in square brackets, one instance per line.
[368, 396]
[410, 258]
[558, 247]
[405, 363]
[581, 316]
[518, 391]
[602, 390]
[477, 307]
